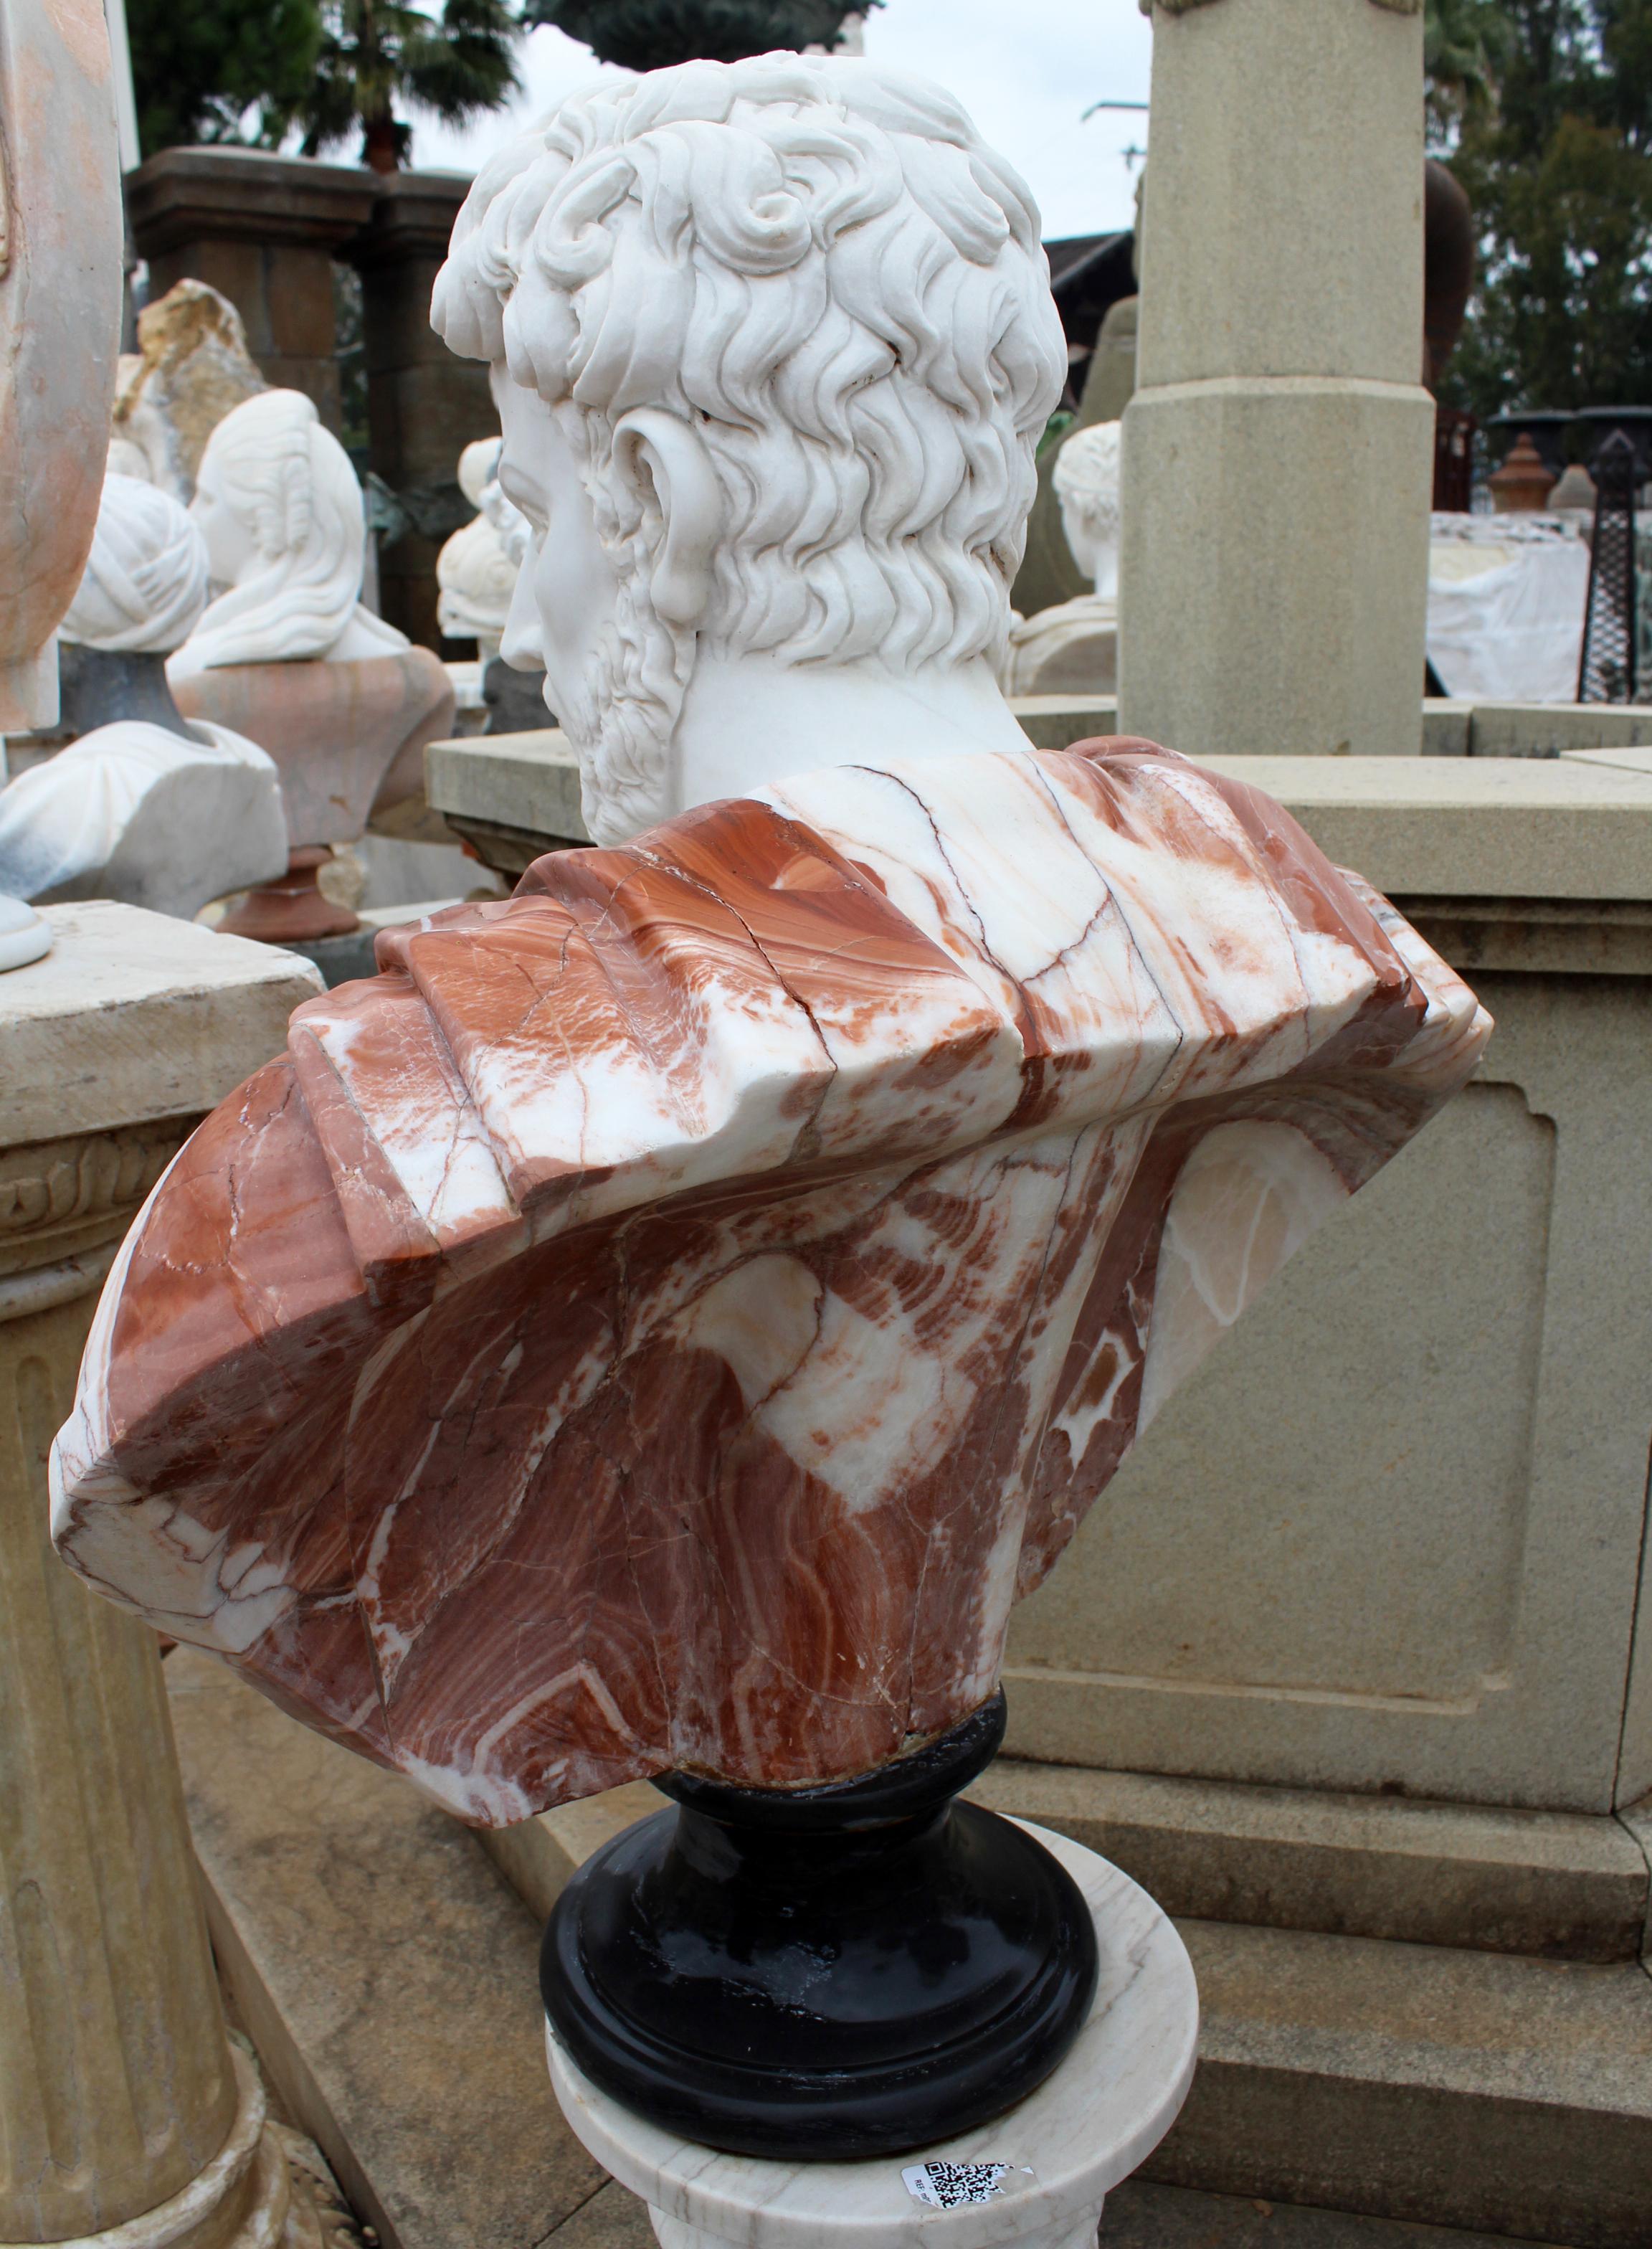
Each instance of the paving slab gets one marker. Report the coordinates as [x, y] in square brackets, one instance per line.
[385, 1972]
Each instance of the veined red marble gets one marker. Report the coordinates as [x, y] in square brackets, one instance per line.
[666, 1318]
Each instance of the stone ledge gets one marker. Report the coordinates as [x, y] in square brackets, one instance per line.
[246, 195]
[134, 1016]
[1470, 828]
[1508, 833]
[1558, 1884]
[529, 781]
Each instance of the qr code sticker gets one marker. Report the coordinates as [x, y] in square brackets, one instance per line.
[950, 2186]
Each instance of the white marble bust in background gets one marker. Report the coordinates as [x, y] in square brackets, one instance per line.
[1072, 648]
[1086, 483]
[158, 815]
[477, 568]
[146, 580]
[773, 344]
[278, 504]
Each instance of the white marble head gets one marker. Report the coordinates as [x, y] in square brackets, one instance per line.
[478, 465]
[278, 504]
[477, 568]
[145, 584]
[1087, 484]
[773, 344]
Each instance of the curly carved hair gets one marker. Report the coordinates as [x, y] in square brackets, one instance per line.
[820, 264]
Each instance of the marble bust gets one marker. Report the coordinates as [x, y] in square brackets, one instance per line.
[477, 568]
[287, 654]
[149, 809]
[771, 355]
[664, 1320]
[1072, 648]
[280, 510]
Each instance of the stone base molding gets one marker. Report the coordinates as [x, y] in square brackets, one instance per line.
[246, 2198]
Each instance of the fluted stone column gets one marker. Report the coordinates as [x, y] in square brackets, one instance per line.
[126, 2117]
[1279, 448]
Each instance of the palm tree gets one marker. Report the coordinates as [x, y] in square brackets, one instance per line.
[377, 53]
[651, 34]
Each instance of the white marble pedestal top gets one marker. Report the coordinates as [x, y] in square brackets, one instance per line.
[1087, 2127]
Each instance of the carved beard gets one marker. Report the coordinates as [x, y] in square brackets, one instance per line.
[623, 713]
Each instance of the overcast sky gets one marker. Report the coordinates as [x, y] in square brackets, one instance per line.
[1026, 70]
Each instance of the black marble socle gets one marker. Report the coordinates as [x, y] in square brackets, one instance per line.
[515, 700]
[828, 1973]
[96, 687]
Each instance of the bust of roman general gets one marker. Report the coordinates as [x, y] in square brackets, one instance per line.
[772, 346]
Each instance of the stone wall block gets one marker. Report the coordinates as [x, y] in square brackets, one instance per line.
[1258, 654]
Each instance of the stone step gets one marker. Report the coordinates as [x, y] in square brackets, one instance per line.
[1417, 2081]
[1558, 1885]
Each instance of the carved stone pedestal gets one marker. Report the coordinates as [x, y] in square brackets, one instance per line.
[1036, 2176]
[126, 2117]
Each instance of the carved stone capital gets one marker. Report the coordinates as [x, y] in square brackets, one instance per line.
[62, 1201]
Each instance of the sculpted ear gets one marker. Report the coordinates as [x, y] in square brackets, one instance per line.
[670, 454]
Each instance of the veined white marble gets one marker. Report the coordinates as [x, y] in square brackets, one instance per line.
[668, 1316]
[1088, 2126]
[281, 512]
[771, 422]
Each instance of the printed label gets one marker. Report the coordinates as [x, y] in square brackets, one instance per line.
[949, 2186]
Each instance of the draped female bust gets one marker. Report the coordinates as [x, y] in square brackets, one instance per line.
[287, 654]
[278, 504]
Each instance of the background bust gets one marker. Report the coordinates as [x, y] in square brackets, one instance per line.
[772, 346]
[278, 504]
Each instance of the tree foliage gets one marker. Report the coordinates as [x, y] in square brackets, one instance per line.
[199, 66]
[376, 57]
[651, 34]
[1544, 111]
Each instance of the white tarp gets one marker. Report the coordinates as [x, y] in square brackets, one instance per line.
[1506, 598]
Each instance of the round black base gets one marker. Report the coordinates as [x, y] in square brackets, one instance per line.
[828, 1973]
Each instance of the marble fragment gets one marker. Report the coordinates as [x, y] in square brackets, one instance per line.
[665, 1318]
